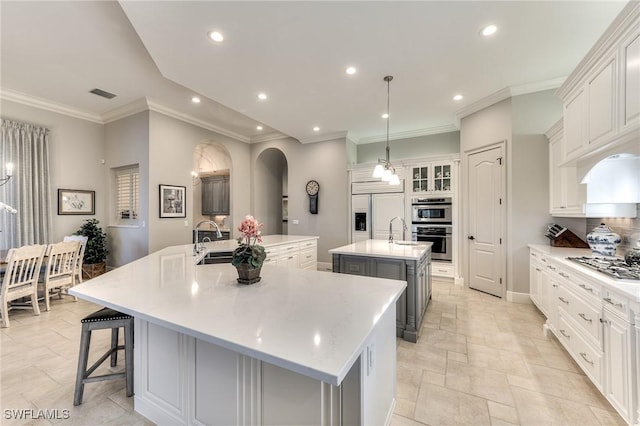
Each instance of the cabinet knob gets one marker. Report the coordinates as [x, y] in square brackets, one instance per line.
[471, 237]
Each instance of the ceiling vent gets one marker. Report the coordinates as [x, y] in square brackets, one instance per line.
[102, 93]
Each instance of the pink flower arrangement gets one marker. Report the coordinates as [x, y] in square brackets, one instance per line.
[250, 228]
[248, 251]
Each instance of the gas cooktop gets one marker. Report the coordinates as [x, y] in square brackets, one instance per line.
[611, 266]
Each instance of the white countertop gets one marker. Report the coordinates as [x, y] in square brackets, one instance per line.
[382, 248]
[267, 241]
[628, 288]
[311, 322]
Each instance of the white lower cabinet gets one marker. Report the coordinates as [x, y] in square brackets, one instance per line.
[619, 353]
[599, 328]
[303, 255]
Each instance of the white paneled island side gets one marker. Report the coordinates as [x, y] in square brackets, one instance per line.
[299, 347]
[402, 260]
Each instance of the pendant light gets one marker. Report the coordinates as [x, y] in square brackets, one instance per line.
[384, 170]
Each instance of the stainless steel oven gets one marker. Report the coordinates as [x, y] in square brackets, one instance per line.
[439, 235]
[430, 210]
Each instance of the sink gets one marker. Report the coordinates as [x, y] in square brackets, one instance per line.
[406, 243]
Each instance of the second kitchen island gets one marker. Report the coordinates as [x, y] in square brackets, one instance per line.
[401, 260]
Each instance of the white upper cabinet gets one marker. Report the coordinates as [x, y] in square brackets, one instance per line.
[602, 95]
[432, 178]
[631, 81]
[567, 196]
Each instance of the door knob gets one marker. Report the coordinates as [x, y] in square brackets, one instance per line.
[471, 237]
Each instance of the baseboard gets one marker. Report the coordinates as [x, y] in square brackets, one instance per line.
[459, 281]
[325, 266]
[514, 297]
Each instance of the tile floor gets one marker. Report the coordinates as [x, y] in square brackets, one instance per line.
[479, 361]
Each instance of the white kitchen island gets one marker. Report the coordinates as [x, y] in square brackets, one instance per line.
[299, 347]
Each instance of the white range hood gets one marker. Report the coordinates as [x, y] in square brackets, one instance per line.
[613, 186]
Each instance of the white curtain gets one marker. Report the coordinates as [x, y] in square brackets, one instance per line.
[28, 191]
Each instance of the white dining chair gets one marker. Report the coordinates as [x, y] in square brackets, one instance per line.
[83, 244]
[21, 279]
[60, 271]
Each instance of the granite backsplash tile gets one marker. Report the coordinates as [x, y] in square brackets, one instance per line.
[625, 227]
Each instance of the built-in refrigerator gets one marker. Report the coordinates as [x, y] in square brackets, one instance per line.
[371, 213]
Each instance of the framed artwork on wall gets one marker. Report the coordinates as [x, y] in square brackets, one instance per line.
[173, 201]
[76, 201]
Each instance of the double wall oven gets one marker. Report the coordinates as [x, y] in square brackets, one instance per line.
[431, 218]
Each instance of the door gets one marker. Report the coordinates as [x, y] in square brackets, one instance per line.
[385, 207]
[485, 221]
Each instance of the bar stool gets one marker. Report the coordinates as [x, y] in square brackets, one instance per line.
[99, 320]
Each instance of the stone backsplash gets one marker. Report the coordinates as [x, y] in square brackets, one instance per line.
[625, 227]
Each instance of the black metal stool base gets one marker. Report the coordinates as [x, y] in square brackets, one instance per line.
[103, 319]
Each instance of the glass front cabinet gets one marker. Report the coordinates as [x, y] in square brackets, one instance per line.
[432, 178]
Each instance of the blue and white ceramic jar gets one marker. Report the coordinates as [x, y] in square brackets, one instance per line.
[603, 240]
[633, 255]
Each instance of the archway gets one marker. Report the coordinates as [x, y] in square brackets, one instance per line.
[210, 159]
[271, 191]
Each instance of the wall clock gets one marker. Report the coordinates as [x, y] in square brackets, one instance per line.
[313, 188]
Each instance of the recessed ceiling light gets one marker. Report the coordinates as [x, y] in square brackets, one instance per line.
[489, 30]
[458, 97]
[215, 36]
[351, 70]
[385, 115]
[316, 129]
[262, 96]
[258, 127]
[195, 100]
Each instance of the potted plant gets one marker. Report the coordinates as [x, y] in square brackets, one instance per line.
[249, 255]
[95, 253]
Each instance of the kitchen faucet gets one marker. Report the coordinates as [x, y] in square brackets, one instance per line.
[404, 229]
[197, 248]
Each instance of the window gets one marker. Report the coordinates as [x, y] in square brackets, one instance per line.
[127, 194]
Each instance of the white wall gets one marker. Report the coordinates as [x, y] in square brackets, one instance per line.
[325, 162]
[423, 146]
[76, 150]
[171, 146]
[127, 144]
[528, 177]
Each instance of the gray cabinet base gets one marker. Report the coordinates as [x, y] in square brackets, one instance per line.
[412, 304]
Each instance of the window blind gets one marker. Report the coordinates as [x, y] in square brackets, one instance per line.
[127, 194]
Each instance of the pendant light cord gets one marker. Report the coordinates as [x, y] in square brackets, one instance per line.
[388, 79]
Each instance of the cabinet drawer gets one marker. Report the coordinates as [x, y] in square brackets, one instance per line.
[308, 258]
[289, 248]
[442, 269]
[617, 304]
[586, 316]
[272, 254]
[588, 358]
[308, 244]
[587, 289]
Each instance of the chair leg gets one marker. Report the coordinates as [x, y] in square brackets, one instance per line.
[5, 314]
[34, 302]
[46, 298]
[128, 356]
[114, 346]
[83, 358]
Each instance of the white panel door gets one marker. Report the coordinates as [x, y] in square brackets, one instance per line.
[386, 207]
[485, 221]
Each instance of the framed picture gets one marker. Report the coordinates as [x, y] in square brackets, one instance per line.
[76, 201]
[173, 201]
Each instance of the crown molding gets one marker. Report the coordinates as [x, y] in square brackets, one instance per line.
[555, 129]
[275, 136]
[24, 99]
[524, 89]
[621, 27]
[324, 137]
[483, 103]
[157, 107]
[125, 111]
[446, 128]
